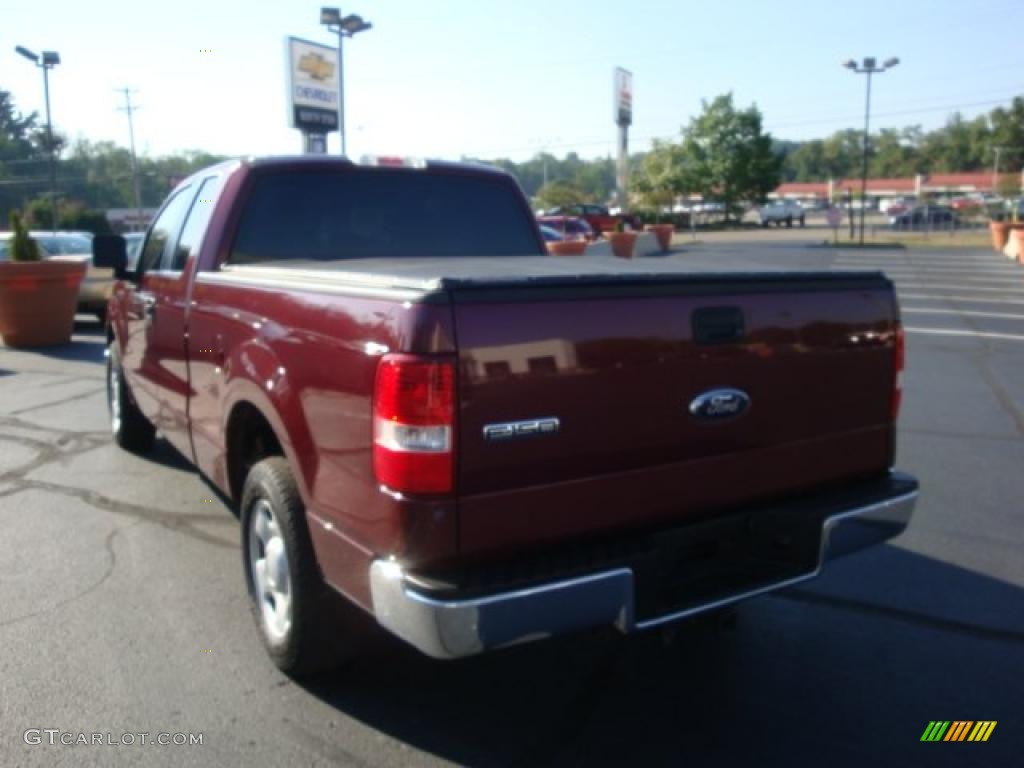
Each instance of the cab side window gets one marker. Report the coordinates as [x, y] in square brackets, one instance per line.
[164, 232]
[195, 226]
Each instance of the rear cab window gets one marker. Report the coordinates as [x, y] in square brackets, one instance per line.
[355, 213]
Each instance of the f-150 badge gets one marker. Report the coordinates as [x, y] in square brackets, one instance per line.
[316, 66]
[719, 404]
[511, 430]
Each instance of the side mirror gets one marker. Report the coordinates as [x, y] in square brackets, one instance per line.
[111, 252]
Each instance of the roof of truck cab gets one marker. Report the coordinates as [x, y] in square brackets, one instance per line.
[327, 161]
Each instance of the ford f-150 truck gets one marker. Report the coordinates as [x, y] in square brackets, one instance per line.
[475, 444]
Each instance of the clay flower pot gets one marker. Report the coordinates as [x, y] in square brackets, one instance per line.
[567, 247]
[37, 301]
[1000, 231]
[1017, 242]
[664, 234]
[622, 243]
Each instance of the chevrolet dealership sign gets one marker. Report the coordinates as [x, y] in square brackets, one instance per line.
[312, 85]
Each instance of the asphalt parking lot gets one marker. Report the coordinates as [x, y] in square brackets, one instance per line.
[122, 605]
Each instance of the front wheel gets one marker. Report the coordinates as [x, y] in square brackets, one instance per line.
[129, 427]
[299, 618]
[802, 221]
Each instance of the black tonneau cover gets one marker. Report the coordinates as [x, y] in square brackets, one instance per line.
[500, 274]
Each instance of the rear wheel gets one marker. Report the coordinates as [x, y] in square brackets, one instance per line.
[789, 222]
[306, 628]
[802, 221]
[129, 427]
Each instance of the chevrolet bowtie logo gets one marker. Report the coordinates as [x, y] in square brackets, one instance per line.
[316, 66]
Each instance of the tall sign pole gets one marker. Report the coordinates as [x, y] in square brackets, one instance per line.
[623, 94]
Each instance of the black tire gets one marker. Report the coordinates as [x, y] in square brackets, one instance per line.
[129, 427]
[802, 222]
[322, 629]
[789, 222]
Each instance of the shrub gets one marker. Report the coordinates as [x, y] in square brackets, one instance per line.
[23, 247]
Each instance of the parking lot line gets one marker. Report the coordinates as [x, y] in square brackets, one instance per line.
[958, 299]
[944, 287]
[968, 312]
[977, 334]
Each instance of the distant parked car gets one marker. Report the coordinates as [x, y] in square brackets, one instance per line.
[894, 206]
[782, 212]
[598, 217]
[926, 218]
[550, 234]
[574, 227]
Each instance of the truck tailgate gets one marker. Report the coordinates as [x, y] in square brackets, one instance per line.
[580, 405]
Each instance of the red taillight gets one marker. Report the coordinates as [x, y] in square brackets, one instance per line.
[899, 358]
[413, 424]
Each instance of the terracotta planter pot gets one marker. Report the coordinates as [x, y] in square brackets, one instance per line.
[37, 301]
[567, 247]
[622, 243]
[1000, 231]
[1017, 234]
[664, 234]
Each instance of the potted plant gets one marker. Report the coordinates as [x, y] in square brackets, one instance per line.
[622, 241]
[567, 247]
[999, 228]
[37, 298]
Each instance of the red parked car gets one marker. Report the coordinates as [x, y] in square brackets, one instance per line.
[598, 217]
[471, 444]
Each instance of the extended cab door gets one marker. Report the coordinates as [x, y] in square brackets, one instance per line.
[169, 341]
[144, 348]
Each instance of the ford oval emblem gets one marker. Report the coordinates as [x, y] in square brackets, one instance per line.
[719, 404]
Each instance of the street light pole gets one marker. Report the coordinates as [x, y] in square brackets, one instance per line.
[46, 62]
[347, 26]
[868, 67]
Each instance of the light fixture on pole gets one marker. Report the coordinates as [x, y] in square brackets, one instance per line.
[343, 26]
[46, 62]
[867, 67]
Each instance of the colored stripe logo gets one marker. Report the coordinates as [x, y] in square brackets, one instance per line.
[958, 730]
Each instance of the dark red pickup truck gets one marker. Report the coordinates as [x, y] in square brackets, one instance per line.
[477, 444]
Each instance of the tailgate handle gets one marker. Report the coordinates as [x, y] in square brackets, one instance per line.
[717, 325]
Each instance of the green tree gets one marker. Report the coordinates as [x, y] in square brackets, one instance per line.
[725, 154]
[558, 194]
[656, 181]
[20, 157]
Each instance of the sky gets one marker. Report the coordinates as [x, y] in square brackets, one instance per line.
[486, 79]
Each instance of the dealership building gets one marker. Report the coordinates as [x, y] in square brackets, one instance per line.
[938, 184]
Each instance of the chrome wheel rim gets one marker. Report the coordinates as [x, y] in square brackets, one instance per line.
[268, 567]
[114, 398]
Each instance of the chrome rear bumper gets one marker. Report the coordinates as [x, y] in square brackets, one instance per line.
[449, 629]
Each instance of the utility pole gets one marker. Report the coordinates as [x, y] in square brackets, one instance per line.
[995, 168]
[128, 108]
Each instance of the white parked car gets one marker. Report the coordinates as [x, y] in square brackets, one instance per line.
[782, 212]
